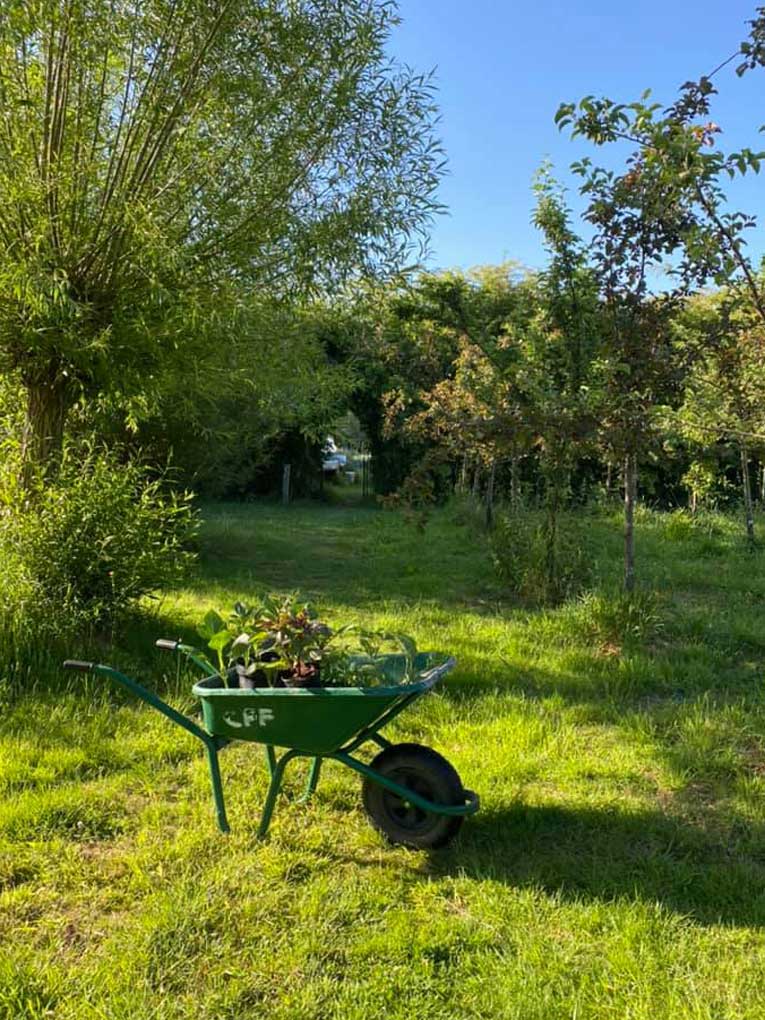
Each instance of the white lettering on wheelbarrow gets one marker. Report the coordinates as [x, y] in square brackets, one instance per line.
[249, 717]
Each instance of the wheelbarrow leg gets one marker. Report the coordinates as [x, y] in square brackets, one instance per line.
[217, 785]
[313, 780]
[273, 791]
[270, 759]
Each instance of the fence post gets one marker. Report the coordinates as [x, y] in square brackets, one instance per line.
[490, 497]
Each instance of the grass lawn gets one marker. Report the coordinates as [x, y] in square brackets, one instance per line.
[616, 870]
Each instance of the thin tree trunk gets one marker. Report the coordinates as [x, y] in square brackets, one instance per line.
[551, 553]
[477, 481]
[43, 435]
[515, 488]
[490, 496]
[609, 480]
[747, 486]
[630, 499]
[463, 474]
[762, 485]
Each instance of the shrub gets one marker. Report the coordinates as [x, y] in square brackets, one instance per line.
[679, 526]
[82, 549]
[617, 619]
[538, 570]
[682, 524]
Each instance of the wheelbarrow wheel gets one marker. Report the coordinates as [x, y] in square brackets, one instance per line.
[425, 772]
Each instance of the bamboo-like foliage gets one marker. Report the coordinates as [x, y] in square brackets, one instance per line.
[158, 157]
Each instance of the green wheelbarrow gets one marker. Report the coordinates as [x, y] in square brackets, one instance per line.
[411, 794]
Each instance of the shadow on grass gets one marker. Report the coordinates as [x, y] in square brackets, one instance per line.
[131, 649]
[586, 854]
[359, 554]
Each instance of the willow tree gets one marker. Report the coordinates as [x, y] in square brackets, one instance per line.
[159, 158]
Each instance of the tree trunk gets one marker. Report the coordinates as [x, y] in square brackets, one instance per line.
[630, 499]
[551, 553]
[515, 487]
[747, 486]
[490, 496]
[609, 481]
[43, 435]
[462, 487]
[477, 481]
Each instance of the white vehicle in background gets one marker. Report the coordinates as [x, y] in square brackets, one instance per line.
[332, 459]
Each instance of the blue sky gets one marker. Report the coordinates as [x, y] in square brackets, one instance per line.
[502, 68]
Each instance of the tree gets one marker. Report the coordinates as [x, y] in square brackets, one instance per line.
[676, 149]
[637, 217]
[271, 383]
[562, 357]
[669, 202]
[525, 379]
[477, 418]
[160, 159]
[398, 345]
[723, 395]
[472, 410]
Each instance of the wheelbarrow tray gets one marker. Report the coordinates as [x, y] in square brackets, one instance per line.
[313, 720]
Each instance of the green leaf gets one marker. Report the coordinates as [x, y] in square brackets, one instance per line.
[219, 640]
[211, 624]
[408, 645]
[270, 667]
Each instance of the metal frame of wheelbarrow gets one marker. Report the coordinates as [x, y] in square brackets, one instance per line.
[277, 765]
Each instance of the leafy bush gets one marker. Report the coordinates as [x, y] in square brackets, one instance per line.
[682, 524]
[679, 526]
[537, 569]
[11, 409]
[620, 618]
[85, 547]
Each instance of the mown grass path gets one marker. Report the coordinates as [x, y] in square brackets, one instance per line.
[617, 868]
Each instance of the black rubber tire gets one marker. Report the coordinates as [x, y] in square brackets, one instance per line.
[426, 772]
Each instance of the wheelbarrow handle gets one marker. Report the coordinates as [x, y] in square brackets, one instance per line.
[167, 644]
[141, 692]
[431, 677]
[189, 651]
[212, 744]
[83, 667]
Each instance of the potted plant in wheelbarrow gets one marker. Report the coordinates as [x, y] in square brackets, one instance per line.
[278, 642]
[286, 679]
[281, 642]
